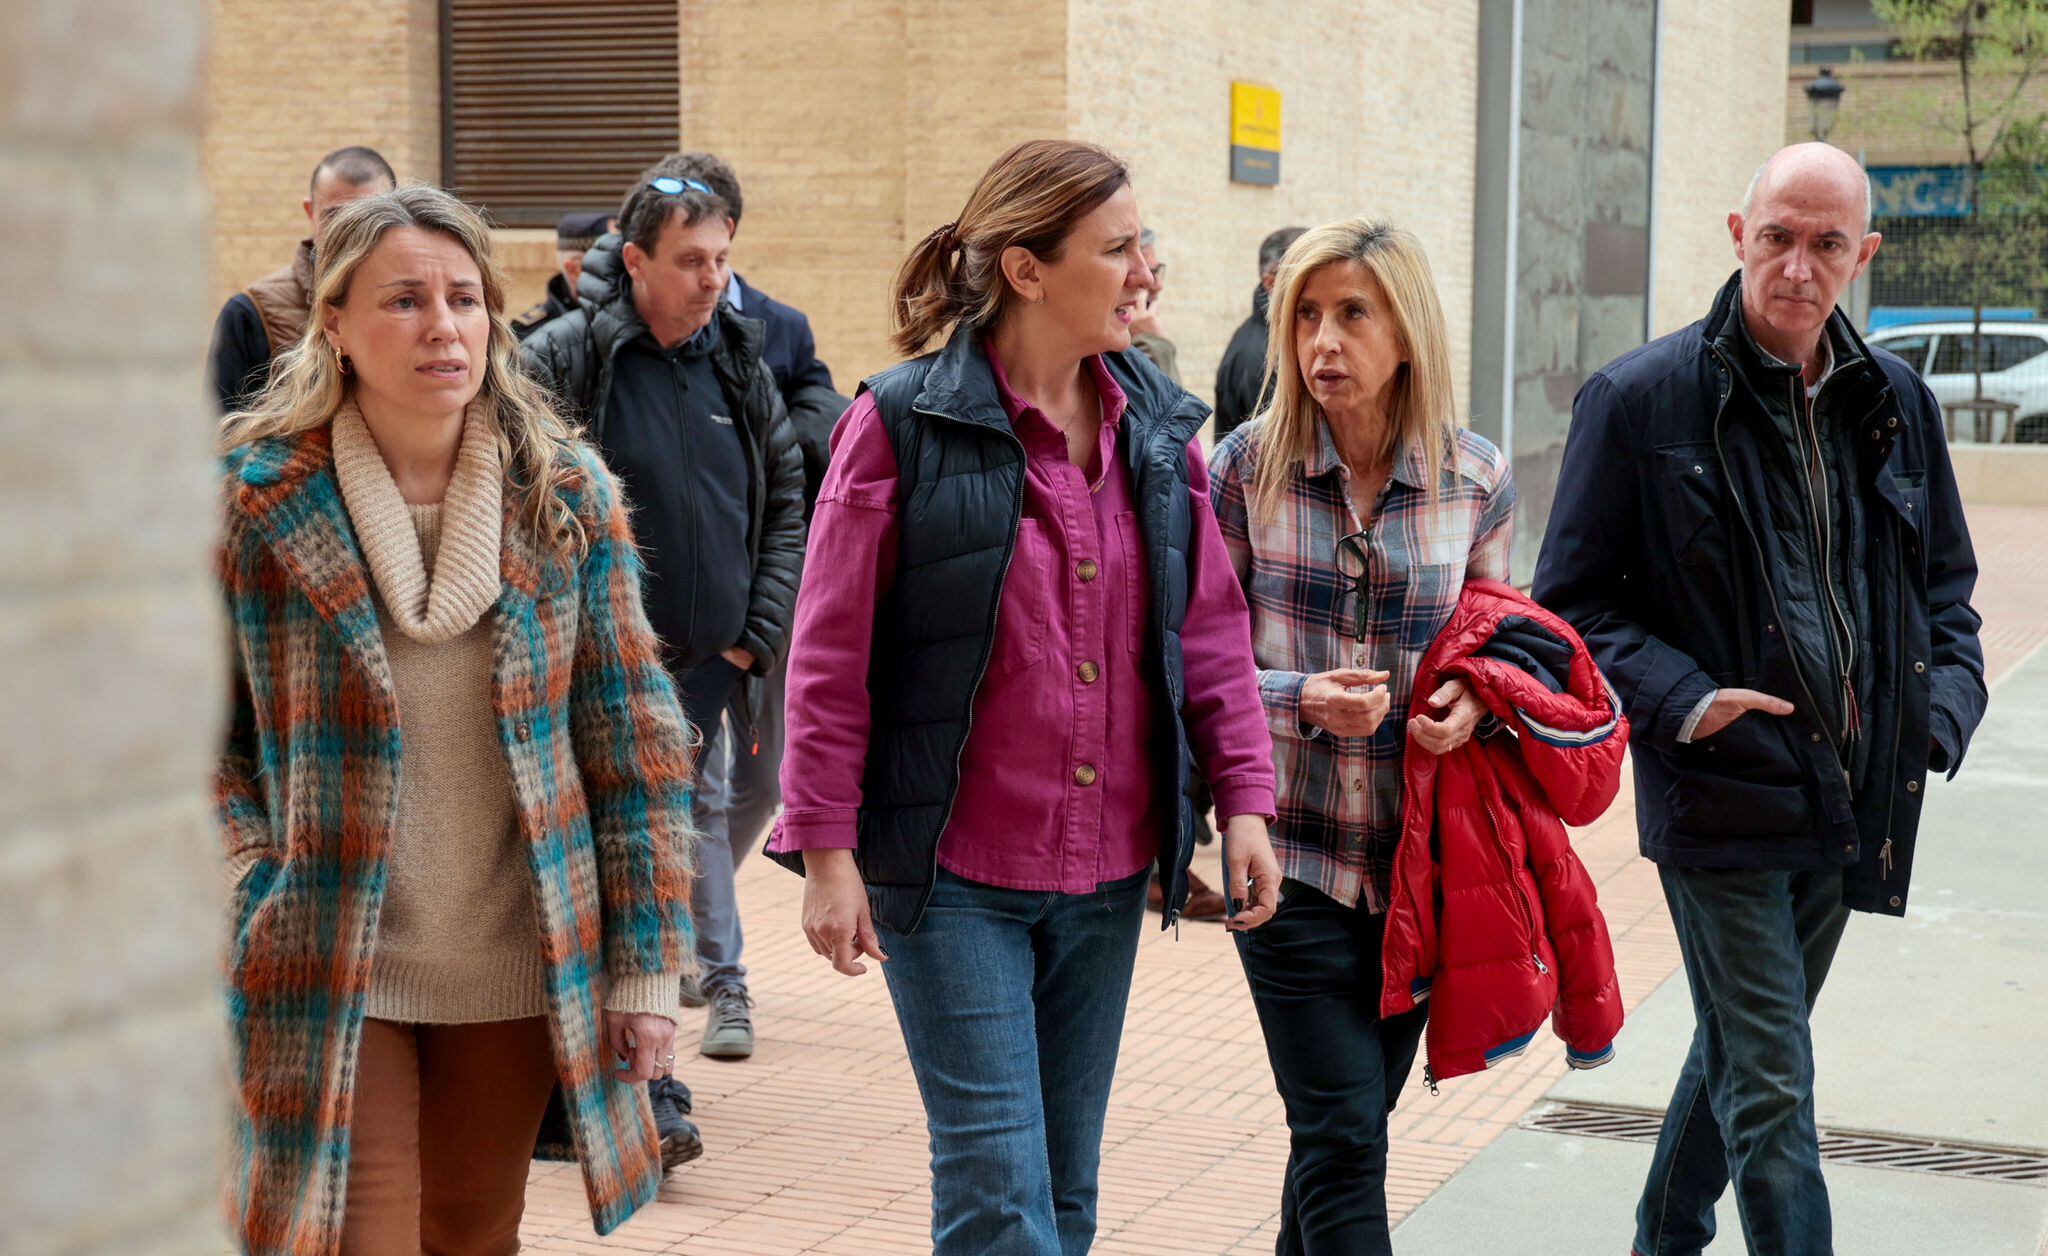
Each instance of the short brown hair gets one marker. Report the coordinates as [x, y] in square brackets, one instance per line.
[1030, 198]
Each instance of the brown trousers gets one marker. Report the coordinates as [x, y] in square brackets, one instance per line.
[445, 1118]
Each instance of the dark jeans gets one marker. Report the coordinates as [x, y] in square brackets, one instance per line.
[1757, 946]
[706, 690]
[1012, 1005]
[1314, 971]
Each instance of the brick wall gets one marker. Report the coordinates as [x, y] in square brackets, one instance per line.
[1378, 115]
[857, 126]
[1721, 102]
[291, 83]
[111, 675]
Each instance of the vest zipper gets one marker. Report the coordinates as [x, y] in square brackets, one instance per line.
[1763, 567]
[1841, 635]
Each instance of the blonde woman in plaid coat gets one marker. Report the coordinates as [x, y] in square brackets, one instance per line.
[437, 916]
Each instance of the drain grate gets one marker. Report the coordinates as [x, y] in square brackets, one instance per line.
[1883, 1151]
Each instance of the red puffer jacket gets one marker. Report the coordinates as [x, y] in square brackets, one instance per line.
[1495, 921]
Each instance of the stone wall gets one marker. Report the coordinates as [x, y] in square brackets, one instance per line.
[1583, 223]
[111, 1076]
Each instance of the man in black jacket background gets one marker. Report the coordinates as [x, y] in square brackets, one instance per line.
[671, 384]
[1758, 532]
[1241, 383]
[742, 785]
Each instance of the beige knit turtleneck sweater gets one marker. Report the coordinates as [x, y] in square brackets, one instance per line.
[458, 936]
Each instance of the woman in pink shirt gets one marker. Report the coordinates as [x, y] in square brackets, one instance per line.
[1019, 641]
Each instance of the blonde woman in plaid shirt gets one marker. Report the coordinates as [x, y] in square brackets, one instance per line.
[1354, 509]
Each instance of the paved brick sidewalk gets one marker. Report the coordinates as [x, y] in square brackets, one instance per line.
[817, 1143]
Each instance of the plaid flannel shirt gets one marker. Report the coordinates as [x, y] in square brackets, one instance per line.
[1340, 797]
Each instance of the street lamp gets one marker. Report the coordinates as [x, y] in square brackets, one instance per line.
[1824, 97]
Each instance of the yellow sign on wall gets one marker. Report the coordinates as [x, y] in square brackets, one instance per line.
[1254, 134]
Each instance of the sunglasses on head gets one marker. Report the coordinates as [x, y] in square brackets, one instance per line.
[676, 187]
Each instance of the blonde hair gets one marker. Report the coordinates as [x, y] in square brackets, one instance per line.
[1423, 411]
[307, 385]
[1030, 198]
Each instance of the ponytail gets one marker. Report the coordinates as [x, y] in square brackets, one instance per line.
[1030, 198]
[925, 299]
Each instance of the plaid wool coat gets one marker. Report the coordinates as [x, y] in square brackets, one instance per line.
[307, 797]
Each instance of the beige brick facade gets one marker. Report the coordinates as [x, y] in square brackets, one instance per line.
[290, 82]
[1378, 116]
[1720, 113]
[111, 670]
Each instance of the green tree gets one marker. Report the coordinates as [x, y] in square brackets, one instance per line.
[1998, 48]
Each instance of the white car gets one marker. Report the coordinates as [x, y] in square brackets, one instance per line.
[2015, 367]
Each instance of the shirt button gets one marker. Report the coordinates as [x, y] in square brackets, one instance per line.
[1357, 839]
[1918, 667]
[1912, 787]
[1358, 659]
[1087, 570]
[1814, 737]
[1084, 775]
[1088, 672]
[1357, 784]
[524, 732]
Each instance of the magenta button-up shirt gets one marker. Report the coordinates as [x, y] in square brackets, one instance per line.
[1060, 787]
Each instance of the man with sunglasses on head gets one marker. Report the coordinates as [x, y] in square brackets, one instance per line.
[741, 787]
[670, 384]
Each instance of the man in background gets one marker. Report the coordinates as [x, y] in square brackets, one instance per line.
[574, 234]
[1148, 333]
[1242, 387]
[269, 316]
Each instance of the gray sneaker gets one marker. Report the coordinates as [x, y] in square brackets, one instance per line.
[692, 995]
[729, 1030]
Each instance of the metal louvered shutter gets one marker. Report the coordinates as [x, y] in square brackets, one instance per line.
[547, 108]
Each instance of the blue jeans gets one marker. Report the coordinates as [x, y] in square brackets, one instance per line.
[1012, 1005]
[1757, 946]
[739, 793]
[1314, 970]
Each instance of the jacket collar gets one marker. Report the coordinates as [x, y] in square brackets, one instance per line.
[1727, 330]
[286, 487]
[961, 385]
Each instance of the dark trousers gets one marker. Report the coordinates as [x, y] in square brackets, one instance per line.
[706, 689]
[1314, 971]
[1757, 946]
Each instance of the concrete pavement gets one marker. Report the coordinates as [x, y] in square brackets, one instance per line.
[1929, 1028]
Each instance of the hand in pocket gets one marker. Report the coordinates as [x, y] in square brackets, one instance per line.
[1730, 705]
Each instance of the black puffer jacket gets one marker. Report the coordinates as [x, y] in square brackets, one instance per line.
[573, 357]
[1241, 384]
